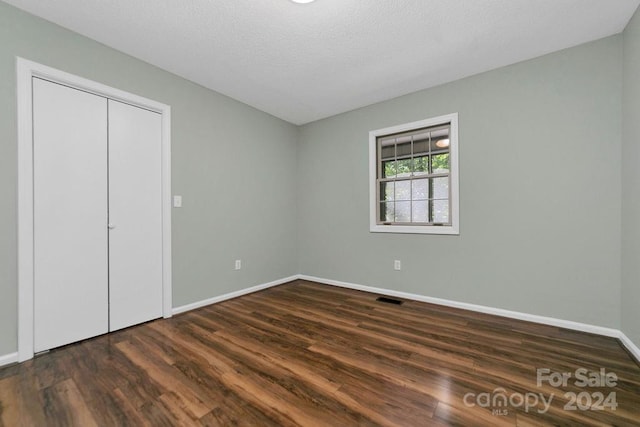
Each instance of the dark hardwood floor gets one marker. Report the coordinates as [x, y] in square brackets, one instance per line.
[316, 355]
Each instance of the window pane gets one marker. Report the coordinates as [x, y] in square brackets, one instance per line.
[420, 211]
[404, 149]
[386, 212]
[404, 167]
[389, 169]
[440, 188]
[403, 212]
[441, 211]
[420, 189]
[440, 163]
[388, 152]
[403, 190]
[387, 191]
[421, 165]
[420, 148]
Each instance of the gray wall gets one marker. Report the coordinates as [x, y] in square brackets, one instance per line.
[234, 166]
[539, 191]
[631, 183]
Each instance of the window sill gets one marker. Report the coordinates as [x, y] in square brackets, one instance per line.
[415, 229]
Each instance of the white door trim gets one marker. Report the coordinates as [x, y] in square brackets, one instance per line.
[25, 71]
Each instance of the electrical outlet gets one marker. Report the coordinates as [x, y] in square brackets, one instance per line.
[397, 265]
[238, 264]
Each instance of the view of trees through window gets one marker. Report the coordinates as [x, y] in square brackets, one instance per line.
[413, 177]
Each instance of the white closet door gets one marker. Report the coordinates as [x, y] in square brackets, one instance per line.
[70, 215]
[135, 215]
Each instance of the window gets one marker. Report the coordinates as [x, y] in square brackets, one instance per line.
[414, 177]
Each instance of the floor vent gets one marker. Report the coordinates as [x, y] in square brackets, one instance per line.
[389, 300]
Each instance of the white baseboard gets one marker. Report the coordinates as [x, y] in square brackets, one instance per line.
[231, 295]
[630, 345]
[568, 324]
[561, 323]
[599, 330]
[7, 359]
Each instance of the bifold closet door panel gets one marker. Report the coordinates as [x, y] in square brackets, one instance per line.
[135, 215]
[70, 215]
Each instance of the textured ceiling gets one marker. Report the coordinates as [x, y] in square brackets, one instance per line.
[306, 62]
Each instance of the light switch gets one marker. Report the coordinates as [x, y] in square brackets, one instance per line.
[177, 201]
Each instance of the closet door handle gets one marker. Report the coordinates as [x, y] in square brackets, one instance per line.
[111, 226]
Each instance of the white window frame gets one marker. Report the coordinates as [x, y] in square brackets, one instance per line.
[454, 202]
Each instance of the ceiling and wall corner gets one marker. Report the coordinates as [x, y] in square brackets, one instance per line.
[306, 62]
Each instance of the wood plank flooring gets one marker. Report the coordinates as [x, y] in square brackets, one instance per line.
[305, 354]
